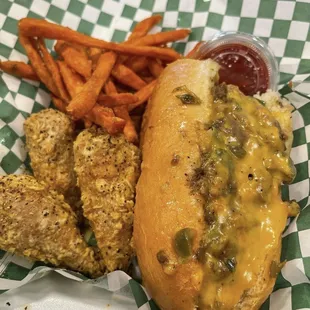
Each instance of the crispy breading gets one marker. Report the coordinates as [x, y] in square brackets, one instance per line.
[49, 139]
[108, 169]
[37, 223]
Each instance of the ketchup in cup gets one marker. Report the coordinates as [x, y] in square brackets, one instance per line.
[246, 61]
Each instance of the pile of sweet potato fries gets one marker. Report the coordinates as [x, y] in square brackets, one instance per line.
[94, 80]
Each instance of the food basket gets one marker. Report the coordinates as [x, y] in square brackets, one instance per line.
[283, 25]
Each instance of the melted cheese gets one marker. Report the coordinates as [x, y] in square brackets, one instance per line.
[244, 210]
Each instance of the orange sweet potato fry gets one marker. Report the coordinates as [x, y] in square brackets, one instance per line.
[59, 104]
[37, 63]
[72, 80]
[122, 111]
[98, 115]
[106, 101]
[115, 99]
[140, 30]
[102, 117]
[161, 37]
[158, 39]
[19, 69]
[155, 67]
[143, 95]
[127, 77]
[109, 87]
[76, 60]
[143, 27]
[58, 46]
[94, 54]
[86, 99]
[32, 27]
[106, 111]
[129, 129]
[136, 63]
[82, 49]
[53, 69]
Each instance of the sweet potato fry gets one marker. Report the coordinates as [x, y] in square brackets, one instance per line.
[72, 80]
[82, 49]
[32, 27]
[136, 63]
[109, 88]
[76, 60]
[53, 69]
[106, 101]
[60, 43]
[143, 95]
[19, 69]
[143, 27]
[115, 99]
[102, 117]
[58, 46]
[106, 111]
[94, 54]
[155, 67]
[127, 77]
[161, 37]
[86, 99]
[158, 39]
[140, 30]
[129, 129]
[106, 116]
[122, 111]
[37, 63]
[59, 104]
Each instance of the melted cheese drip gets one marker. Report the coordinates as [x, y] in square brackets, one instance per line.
[251, 216]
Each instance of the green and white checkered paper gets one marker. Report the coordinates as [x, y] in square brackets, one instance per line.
[284, 25]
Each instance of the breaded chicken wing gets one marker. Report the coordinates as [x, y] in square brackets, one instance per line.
[108, 169]
[49, 139]
[37, 223]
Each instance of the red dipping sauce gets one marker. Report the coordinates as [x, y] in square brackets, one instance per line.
[241, 66]
[245, 61]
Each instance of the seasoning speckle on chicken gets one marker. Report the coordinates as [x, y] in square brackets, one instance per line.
[108, 169]
[37, 223]
[49, 139]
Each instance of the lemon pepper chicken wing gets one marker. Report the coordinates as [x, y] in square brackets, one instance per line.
[49, 139]
[107, 169]
[37, 223]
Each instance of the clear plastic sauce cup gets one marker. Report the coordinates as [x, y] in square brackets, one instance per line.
[245, 60]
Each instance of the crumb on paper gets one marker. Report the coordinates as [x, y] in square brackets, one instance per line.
[290, 84]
